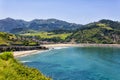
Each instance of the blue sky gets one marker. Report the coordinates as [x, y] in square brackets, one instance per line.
[75, 11]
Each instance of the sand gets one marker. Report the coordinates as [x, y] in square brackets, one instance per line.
[81, 45]
[25, 53]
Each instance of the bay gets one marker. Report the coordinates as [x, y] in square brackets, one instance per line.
[77, 63]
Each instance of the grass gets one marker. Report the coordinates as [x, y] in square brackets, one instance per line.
[11, 39]
[11, 69]
[5, 38]
[104, 26]
[48, 35]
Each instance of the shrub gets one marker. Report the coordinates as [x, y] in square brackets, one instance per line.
[6, 55]
[11, 69]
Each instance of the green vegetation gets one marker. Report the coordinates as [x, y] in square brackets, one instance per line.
[6, 38]
[48, 36]
[10, 69]
[99, 32]
[11, 39]
[103, 31]
[31, 38]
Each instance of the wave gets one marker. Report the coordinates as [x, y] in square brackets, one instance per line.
[60, 47]
[25, 61]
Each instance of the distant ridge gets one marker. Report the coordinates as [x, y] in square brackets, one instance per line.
[16, 25]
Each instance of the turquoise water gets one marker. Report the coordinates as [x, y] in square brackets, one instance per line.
[77, 63]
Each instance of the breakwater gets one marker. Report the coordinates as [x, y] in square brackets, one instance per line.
[21, 48]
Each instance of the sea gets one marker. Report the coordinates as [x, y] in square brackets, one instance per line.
[77, 63]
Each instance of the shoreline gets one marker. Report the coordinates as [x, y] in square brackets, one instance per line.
[54, 46]
[81, 45]
[26, 53]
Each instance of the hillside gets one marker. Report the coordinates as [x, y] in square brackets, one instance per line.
[48, 36]
[11, 39]
[18, 26]
[32, 38]
[103, 31]
[53, 31]
[8, 24]
[11, 69]
[6, 38]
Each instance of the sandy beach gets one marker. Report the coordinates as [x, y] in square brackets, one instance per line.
[80, 45]
[25, 53]
[53, 46]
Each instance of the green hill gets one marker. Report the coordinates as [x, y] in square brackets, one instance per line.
[10, 69]
[48, 36]
[12, 39]
[104, 31]
[6, 38]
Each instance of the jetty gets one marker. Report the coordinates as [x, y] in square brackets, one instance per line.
[21, 48]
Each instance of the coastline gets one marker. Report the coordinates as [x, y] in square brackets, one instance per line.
[53, 46]
[25, 53]
[80, 45]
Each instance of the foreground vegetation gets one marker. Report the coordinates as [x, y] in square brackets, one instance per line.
[10, 69]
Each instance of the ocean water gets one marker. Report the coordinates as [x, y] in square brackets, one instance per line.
[75, 63]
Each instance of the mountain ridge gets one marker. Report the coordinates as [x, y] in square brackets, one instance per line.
[9, 25]
[103, 31]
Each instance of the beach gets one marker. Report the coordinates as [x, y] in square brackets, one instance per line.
[25, 53]
[80, 45]
[54, 46]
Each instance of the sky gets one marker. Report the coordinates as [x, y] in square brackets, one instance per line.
[74, 11]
